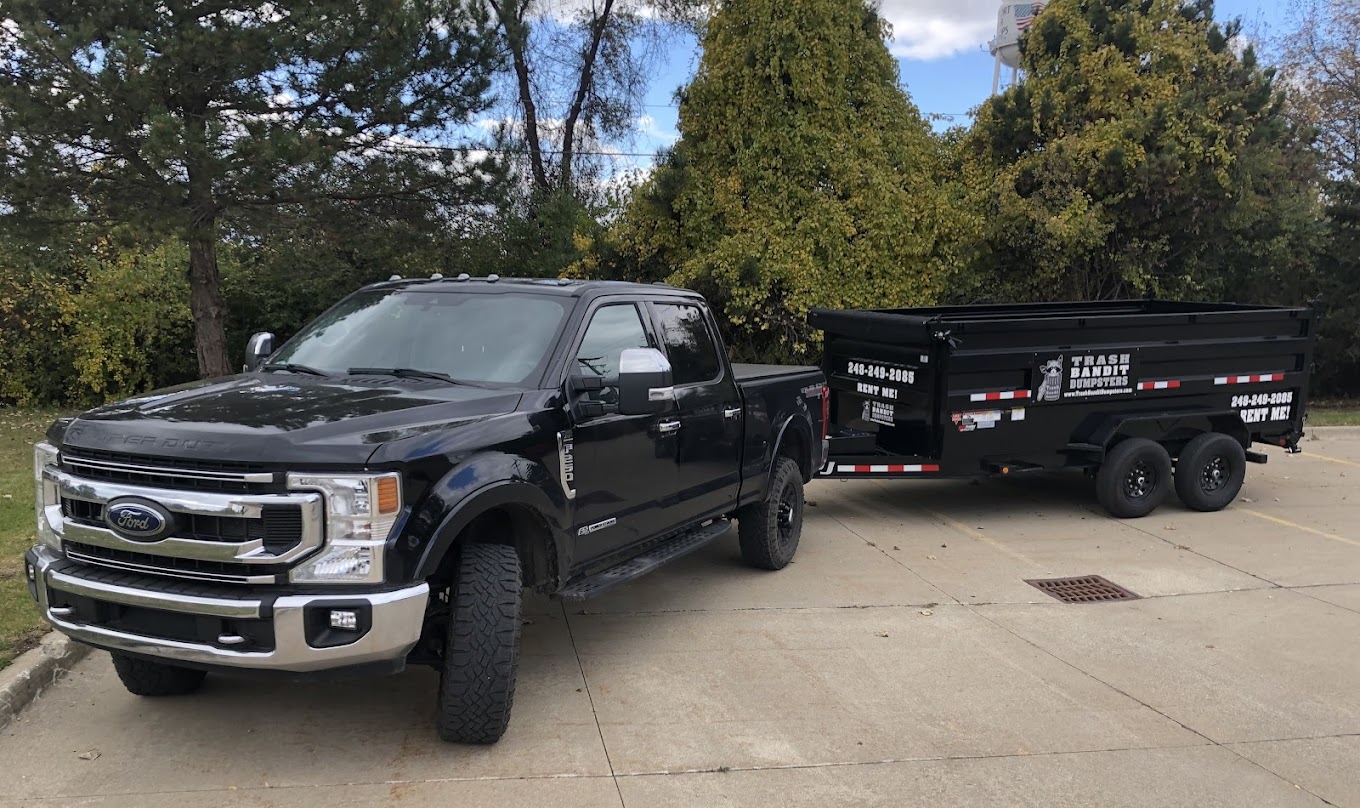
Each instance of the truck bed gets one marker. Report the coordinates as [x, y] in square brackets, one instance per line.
[745, 372]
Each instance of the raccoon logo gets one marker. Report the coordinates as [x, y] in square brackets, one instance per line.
[1051, 388]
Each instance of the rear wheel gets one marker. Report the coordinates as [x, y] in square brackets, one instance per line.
[1210, 471]
[769, 530]
[143, 677]
[477, 681]
[1134, 479]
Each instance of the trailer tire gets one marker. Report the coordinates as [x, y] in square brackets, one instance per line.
[1134, 479]
[477, 680]
[142, 677]
[1210, 471]
[769, 531]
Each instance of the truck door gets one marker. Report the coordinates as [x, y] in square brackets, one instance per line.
[708, 409]
[623, 467]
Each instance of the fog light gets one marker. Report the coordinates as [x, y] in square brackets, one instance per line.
[31, 571]
[344, 618]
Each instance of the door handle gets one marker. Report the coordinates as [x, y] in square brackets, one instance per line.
[667, 427]
[731, 412]
[61, 611]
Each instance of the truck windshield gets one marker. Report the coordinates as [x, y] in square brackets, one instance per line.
[475, 338]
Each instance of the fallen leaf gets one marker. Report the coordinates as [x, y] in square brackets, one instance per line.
[927, 612]
[90, 755]
[895, 547]
[882, 633]
[931, 557]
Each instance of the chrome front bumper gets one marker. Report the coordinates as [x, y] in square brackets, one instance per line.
[396, 620]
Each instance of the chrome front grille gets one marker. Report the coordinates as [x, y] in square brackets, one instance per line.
[158, 472]
[279, 526]
[215, 536]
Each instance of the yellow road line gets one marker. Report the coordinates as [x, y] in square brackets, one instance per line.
[977, 534]
[1332, 459]
[1277, 520]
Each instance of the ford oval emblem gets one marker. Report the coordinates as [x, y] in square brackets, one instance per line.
[138, 520]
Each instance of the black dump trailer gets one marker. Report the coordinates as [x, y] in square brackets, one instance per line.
[1145, 394]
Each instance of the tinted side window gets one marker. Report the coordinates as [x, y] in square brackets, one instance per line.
[693, 356]
[611, 329]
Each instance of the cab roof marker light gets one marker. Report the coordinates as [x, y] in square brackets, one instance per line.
[492, 278]
[463, 276]
[438, 276]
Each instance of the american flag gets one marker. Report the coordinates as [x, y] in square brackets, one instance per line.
[1024, 15]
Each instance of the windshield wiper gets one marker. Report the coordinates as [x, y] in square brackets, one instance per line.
[295, 368]
[409, 373]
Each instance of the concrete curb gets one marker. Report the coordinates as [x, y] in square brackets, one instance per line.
[1332, 430]
[36, 670]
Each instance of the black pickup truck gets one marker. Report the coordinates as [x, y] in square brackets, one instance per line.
[378, 491]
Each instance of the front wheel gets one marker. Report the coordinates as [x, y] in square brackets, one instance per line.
[1134, 479]
[477, 681]
[1210, 471]
[769, 530]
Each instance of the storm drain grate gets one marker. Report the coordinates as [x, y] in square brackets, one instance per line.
[1082, 589]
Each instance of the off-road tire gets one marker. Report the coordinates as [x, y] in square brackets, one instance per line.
[768, 538]
[1210, 471]
[143, 677]
[477, 682]
[1134, 479]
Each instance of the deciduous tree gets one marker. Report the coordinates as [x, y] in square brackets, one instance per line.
[1145, 151]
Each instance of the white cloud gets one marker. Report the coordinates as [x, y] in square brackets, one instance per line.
[934, 29]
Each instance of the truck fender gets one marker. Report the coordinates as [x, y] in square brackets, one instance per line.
[477, 486]
[791, 427]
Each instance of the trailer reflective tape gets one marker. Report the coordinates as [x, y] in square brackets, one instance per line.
[1166, 385]
[1004, 395]
[887, 468]
[1250, 378]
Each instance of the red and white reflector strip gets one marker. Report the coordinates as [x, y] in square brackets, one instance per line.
[1166, 385]
[1004, 395]
[1250, 379]
[890, 468]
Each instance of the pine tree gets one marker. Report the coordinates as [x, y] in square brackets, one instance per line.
[803, 177]
[182, 115]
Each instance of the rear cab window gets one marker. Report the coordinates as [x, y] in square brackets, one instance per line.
[688, 343]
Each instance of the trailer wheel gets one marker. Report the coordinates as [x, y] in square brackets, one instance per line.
[1134, 479]
[1210, 471]
[477, 681]
[768, 531]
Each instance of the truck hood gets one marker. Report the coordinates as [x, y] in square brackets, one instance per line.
[281, 418]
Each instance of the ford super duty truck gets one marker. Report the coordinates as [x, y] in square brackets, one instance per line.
[378, 491]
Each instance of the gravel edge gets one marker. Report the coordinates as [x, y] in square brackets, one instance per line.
[36, 670]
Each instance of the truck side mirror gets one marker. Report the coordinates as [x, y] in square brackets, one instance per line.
[644, 382]
[258, 349]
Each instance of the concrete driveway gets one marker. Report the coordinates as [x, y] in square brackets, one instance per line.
[901, 660]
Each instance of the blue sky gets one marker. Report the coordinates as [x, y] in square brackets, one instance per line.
[942, 54]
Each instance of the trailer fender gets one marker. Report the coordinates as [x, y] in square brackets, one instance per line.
[1095, 437]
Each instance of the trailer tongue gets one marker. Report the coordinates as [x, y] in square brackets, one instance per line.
[1147, 394]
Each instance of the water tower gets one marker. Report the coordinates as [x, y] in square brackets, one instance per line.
[1012, 20]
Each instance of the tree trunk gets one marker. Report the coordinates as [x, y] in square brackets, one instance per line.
[205, 300]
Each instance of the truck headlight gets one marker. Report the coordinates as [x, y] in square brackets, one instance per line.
[47, 502]
[360, 513]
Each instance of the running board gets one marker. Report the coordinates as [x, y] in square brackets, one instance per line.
[681, 545]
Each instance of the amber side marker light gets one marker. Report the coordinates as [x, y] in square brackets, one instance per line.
[387, 496]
